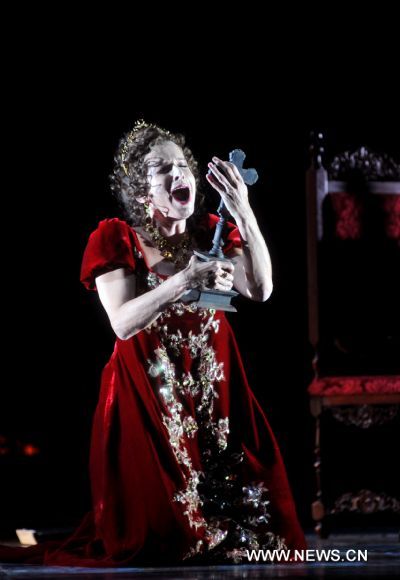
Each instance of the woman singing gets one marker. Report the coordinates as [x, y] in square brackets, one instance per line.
[184, 466]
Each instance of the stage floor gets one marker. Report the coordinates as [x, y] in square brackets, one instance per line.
[383, 553]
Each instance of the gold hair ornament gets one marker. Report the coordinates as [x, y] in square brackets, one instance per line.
[131, 136]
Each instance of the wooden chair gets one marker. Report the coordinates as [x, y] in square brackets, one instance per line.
[353, 251]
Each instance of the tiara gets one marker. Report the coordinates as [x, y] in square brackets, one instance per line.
[131, 136]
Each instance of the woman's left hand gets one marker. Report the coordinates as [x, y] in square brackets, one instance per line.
[227, 181]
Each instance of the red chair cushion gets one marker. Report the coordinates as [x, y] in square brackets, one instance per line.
[349, 214]
[360, 385]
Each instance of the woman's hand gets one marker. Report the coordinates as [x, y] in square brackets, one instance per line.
[209, 275]
[225, 178]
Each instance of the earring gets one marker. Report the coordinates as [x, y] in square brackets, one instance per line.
[148, 218]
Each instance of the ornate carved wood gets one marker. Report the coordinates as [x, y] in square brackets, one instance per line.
[373, 174]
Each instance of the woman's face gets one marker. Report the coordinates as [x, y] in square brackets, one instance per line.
[172, 184]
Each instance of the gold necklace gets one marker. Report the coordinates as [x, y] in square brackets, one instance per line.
[179, 253]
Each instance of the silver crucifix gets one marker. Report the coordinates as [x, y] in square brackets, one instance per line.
[218, 299]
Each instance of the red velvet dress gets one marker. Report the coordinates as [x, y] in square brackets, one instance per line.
[184, 466]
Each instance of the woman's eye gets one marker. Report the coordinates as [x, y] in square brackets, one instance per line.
[164, 168]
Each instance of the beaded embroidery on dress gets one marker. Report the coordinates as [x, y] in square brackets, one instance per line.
[236, 514]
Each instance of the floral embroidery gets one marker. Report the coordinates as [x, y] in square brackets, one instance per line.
[232, 517]
[181, 427]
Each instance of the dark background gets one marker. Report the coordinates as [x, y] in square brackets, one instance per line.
[64, 116]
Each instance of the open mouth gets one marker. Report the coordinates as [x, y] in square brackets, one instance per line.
[181, 194]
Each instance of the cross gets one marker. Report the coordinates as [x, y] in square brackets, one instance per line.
[218, 299]
[250, 176]
[237, 156]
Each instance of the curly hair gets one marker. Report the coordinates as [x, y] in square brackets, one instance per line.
[128, 179]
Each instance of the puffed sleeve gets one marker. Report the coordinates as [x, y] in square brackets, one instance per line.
[232, 237]
[110, 246]
[230, 234]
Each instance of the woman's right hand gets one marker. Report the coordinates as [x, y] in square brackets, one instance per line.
[214, 274]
